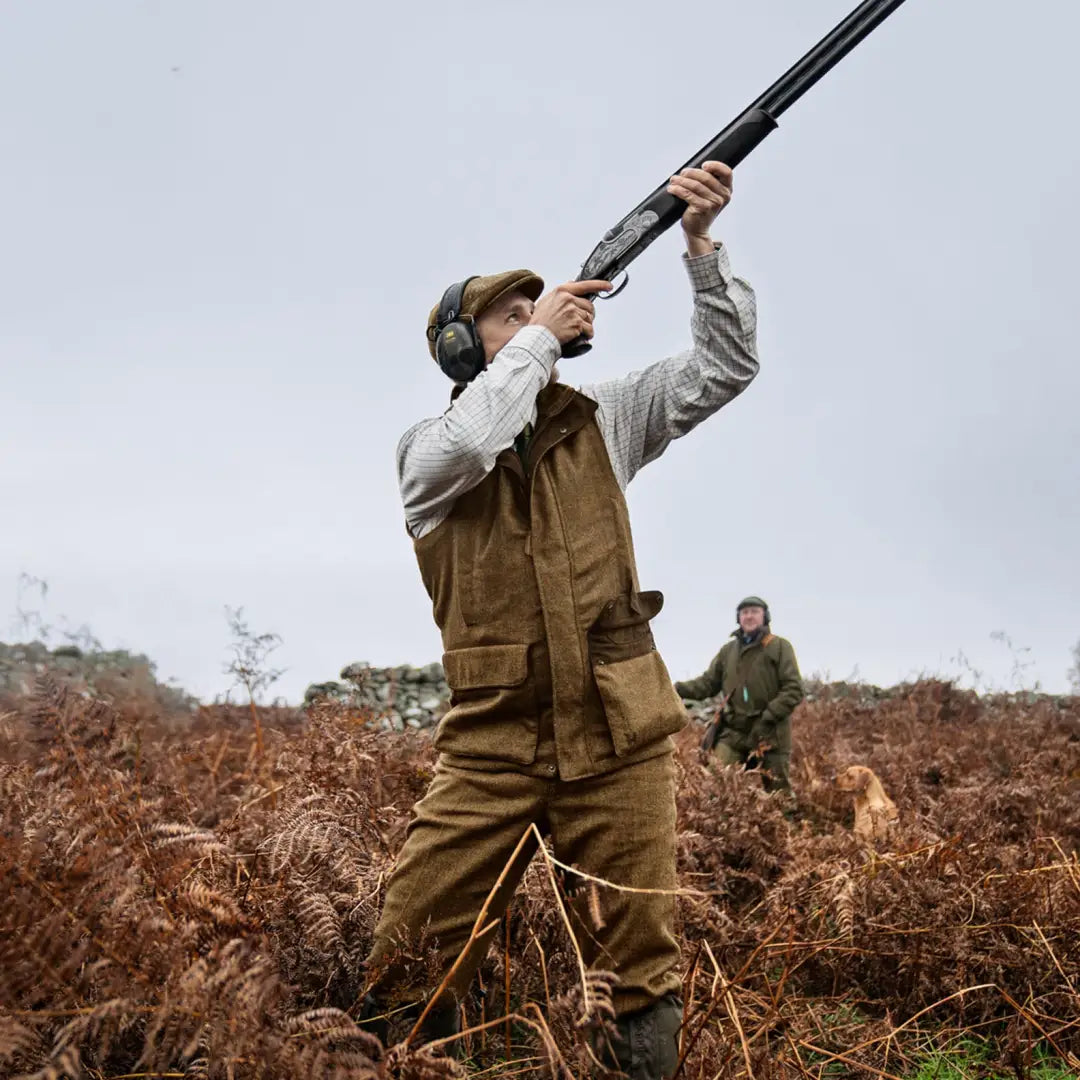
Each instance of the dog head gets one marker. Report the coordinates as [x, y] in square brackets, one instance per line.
[855, 778]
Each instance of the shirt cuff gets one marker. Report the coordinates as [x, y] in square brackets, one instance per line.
[711, 271]
[539, 342]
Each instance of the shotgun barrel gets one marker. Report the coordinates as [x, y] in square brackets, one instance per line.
[655, 214]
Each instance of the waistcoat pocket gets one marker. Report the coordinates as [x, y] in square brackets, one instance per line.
[493, 713]
[640, 703]
[635, 687]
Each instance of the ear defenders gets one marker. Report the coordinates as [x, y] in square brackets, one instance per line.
[458, 350]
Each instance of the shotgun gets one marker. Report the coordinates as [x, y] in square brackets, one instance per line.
[659, 211]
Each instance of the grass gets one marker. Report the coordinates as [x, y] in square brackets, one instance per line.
[979, 1059]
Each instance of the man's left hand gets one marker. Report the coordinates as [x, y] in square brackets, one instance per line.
[763, 732]
[706, 191]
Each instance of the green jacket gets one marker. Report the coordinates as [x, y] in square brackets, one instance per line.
[765, 678]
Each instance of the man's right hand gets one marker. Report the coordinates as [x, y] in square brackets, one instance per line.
[566, 312]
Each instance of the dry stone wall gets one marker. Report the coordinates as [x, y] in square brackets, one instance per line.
[399, 697]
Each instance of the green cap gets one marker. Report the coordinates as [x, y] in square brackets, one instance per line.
[751, 601]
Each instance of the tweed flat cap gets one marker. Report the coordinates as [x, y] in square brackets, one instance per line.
[482, 292]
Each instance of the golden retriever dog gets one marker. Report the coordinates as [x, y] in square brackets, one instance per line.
[874, 810]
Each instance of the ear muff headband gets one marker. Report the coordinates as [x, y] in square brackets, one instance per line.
[451, 302]
[458, 350]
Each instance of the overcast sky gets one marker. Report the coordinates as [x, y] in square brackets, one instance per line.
[224, 222]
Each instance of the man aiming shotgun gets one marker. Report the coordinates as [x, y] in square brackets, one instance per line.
[561, 707]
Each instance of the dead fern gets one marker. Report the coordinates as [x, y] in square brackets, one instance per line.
[168, 908]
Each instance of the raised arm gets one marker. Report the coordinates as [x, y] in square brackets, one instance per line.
[642, 412]
[441, 458]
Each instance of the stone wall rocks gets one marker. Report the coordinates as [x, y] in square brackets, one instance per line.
[108, 673]
[399, 697]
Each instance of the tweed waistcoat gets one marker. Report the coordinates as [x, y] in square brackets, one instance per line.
[548, 649]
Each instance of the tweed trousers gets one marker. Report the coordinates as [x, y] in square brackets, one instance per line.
[619, 826]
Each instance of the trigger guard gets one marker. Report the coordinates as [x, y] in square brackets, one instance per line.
[615, 292]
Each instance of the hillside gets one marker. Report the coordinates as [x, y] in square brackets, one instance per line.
[175, 906]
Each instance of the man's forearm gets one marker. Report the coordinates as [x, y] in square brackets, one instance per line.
[706, 685]
[642, 412]
[791, 688]
[694, 689]
[782, 706]
[441, 458]
[696, 245]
